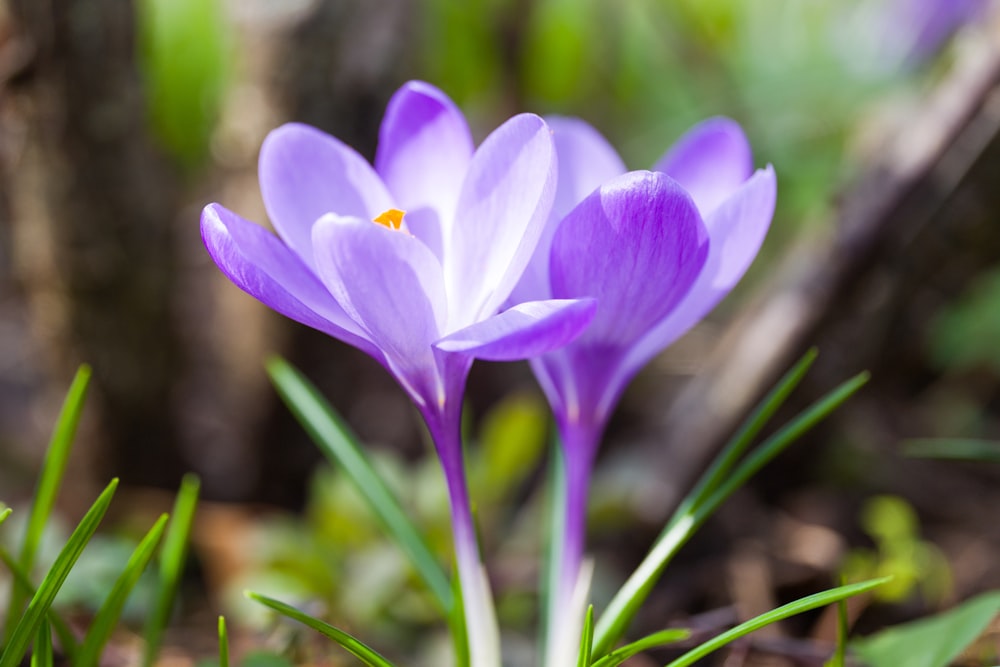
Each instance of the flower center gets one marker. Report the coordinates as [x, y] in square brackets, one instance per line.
[393, 218]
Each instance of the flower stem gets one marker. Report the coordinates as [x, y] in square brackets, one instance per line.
[567, 603]
[477, 601]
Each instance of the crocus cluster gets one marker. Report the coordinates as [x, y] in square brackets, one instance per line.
[441, 253]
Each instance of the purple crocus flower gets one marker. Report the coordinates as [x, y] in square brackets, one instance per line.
[410, 261]
[662, 248]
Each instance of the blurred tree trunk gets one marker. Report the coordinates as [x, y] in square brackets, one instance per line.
[93, 204]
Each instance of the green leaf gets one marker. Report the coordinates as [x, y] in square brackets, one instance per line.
[107, 616]
[943, 448]
[657, 639]
[341, 447]
[185, 53]
[39, 605]
[586, 638]
[930, 642]
[223, 643]
[172, 558]
[66, 638]
[838, 659]
[781, 613]
[6, 512]
[360, 650]
[42, 654]
[49, 481]
[456, 624]
[693, 513]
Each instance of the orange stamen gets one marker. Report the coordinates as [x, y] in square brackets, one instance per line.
[393, 218]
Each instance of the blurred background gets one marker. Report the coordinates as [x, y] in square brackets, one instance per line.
[120, 120]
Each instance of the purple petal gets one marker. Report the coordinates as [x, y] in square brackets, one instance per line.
[710, 161]
[389, 283]
[424, 150]
[305, 174]
[637, 244]
[737, 230]
[262, 266]
[524, 331]
[586, 160]
[504, 203]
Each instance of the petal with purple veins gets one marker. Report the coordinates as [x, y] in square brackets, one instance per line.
[636, 245]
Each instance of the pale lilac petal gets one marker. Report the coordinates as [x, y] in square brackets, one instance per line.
[524, 331]
[710, 161]
[504, 203]
[586, 161]
[261, 265]
[305, 174]
[737, 230]
[391, 285]
[636, 245]
[424, 150]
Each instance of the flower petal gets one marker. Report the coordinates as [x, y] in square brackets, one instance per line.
[305, 174]
[737, 230]
[586, 161]
[524, 331]
[391, 285]
[262, 266]
[637, 244]
[505, 201]
[424, 150]
[710, 161]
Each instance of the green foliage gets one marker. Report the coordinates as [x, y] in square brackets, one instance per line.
[28, 623]
[950, 448]
[727, 474]
[50, 479]
[172, 558]
[934, 641]
[655, 640]
[358, 648]
[964, 334]
[341, 447]
[41, 656]
[775, 615]
[223, 643]
[900, 553]
[185, 51]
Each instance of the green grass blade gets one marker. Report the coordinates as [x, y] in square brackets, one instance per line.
[6, 512]
[172, 558]
[782, 612]
[49, 481]
[657, 639]
[223, 643]
[780, 441]
[40, 603]
[839, 657]
[107, 616]
[351, 644]
[738, 444]
[339, 445]
[66, 638]
[961, 449]
[625, 604]
[587, 638]
[42, 654]
[456, 625]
